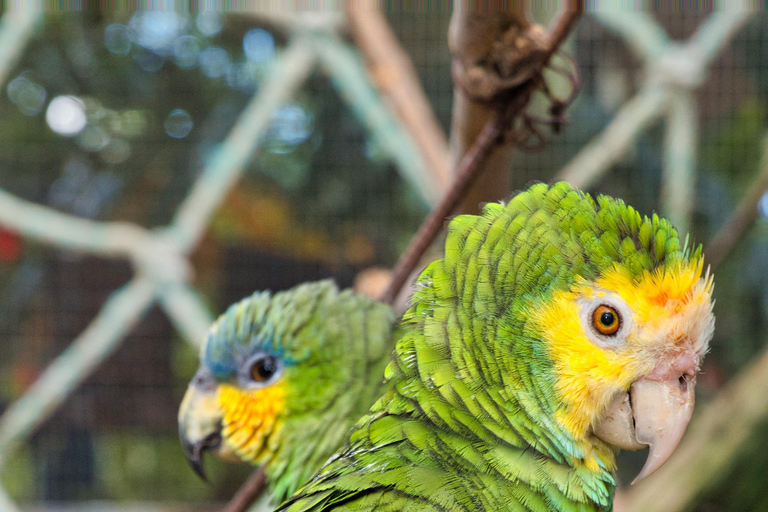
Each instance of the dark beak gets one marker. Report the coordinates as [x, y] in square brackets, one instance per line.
[200, 420]
[194, 451]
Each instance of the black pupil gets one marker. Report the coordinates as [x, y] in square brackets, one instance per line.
[607, 318]
[265, 368]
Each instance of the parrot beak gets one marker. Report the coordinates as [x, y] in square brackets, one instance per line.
[653, 414]
[200, 420]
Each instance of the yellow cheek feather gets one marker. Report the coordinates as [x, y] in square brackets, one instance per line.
[251, 420]
[585, 372]
[669, 307]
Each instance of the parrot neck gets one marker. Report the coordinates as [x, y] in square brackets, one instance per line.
[295, 460]
[496, 410]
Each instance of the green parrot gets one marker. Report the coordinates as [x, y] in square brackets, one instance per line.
[283, 378]
[555, 330]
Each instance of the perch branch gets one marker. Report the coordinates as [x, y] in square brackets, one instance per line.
[248, 493]
[477, 41]
[472, 163]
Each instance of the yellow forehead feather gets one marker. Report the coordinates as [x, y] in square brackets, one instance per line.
[664, 284]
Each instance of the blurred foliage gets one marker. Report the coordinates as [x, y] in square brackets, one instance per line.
[111, 116]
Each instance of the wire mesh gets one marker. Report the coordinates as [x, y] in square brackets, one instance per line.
[328, 192]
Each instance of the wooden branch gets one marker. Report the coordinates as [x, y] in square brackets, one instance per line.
[393, 73]
[477, 158]
[492, 51]
[248, 493]
[473, 38]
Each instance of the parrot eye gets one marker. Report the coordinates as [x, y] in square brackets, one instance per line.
[262, 369]
[606, 320]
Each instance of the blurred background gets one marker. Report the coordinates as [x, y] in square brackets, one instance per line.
[115, 116]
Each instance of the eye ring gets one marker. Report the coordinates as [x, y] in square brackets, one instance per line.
[606, 320]
[264, 368]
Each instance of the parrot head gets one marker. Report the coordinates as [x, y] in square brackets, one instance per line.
[581, 319]
[282, 378]
[625, 350]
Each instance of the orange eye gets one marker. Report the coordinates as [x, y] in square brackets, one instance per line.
[606, 320]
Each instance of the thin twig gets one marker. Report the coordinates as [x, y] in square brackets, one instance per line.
[471, 164]
[562, 26]
[247, 494]
[469, 169]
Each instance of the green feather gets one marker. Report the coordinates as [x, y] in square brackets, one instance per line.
[334, 346]
[469, 421]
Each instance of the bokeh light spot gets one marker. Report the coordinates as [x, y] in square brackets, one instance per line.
[178, 124]
[762, 205]
[93, 138]
[66, 115]
[186, 51]
[290, 125]
[214, 62]
[116, 152]
[258, 45]
[155, 30]
[148, 61]
[117, 40]
[209, 23]
[27, 95]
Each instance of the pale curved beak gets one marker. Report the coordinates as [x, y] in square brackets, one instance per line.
[662, 411]
[199, 420]
[653, 414]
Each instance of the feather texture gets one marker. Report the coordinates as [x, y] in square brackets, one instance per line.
[473, 419]
[326, 349]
